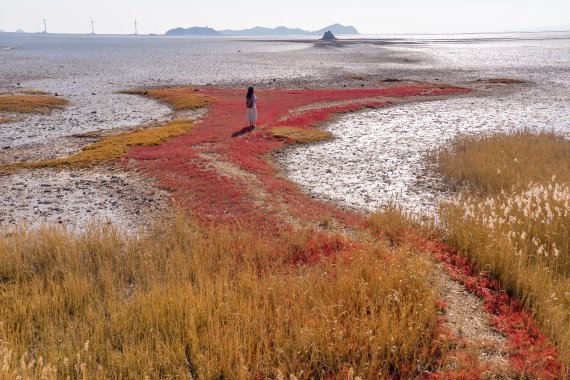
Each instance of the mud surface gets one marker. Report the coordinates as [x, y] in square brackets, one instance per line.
[76, 198]
[380, 156]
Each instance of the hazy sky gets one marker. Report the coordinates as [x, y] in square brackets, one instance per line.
[368, 16]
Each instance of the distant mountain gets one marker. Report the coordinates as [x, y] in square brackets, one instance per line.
[336, 29]
[261, 31]
[193, 31]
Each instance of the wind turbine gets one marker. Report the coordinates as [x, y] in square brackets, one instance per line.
[45, 25]
[92, 27]
[136, 27]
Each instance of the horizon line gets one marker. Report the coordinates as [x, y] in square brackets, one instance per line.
[361, 34]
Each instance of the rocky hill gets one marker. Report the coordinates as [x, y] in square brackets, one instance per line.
[193, 31]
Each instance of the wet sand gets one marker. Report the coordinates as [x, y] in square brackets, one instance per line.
[78, 197]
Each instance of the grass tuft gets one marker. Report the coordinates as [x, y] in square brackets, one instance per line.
[299, 135]
[113, 147]
[513, 216]
[180, 98]
[4, 120]
[30, 103]
[489, 164]
[396, 224]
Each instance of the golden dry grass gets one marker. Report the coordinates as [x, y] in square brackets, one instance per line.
[112, 147]
[299, 135]
[515, 219]
[180, 98]
[489, 164]
[211, 304]
[396, 224]
[30, 103]
[4, 120]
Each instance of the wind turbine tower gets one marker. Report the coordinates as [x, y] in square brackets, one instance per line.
[136, 27]
[92, 27]
[45, 25]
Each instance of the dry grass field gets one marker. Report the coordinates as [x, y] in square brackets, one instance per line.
[490, 164]
[210, 303]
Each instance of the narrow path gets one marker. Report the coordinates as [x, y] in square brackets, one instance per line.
[530, 353]
[467, 319]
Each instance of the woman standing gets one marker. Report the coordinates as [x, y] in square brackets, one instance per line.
[250, 103]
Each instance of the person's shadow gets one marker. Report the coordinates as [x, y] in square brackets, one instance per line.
[243, 131]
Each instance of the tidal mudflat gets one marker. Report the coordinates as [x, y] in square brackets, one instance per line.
[76, 198]
[91, 71]
[380, 156]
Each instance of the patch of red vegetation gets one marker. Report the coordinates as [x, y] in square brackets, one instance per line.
[312, 118]
[531, 354]
[211, 197]
[319, 246]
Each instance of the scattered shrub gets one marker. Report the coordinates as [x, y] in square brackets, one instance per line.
[30, 103]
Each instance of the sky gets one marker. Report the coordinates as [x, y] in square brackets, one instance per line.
[368, 16]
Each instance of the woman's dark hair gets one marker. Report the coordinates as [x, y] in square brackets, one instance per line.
[249, 93]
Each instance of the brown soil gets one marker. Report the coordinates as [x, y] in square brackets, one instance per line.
[466, 319]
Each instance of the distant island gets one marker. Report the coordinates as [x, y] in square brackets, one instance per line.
[261, 31]
[194, 31]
